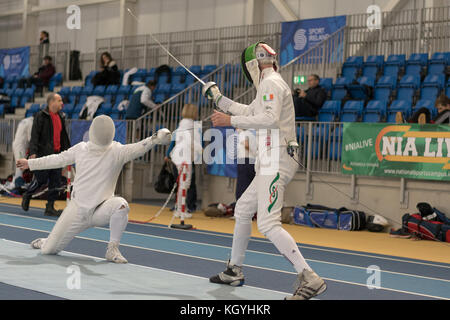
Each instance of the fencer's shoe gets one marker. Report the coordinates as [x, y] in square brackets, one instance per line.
[51, 211]
[113, 254]
[38, 243]
[26, 201]
[309, 285]
[232, 276]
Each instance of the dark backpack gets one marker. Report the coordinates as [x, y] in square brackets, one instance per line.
[436, 229]
[167, 178]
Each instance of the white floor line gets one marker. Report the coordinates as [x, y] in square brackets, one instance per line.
[260, 252]
[265, 241]
[251, 266]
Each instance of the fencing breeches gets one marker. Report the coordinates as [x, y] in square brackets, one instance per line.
[72, 222]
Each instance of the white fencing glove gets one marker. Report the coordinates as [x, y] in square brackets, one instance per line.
[211, 91]
[163, 136]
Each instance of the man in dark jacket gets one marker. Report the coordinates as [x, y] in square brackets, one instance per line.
[42, 77]
[48, 136]
[308, 103]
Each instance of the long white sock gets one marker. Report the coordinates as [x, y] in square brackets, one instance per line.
[284, 242]
[117, 224]
[241, 237]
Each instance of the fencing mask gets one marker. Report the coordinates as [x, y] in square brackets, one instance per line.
[102, 131]
[252, 57]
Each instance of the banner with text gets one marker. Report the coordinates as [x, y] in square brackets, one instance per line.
[406, 151]
[14, 62]
[299, 36]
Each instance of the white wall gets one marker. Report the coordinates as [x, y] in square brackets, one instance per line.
[159, 16]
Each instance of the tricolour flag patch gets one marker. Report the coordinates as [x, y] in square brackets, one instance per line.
[268, 97]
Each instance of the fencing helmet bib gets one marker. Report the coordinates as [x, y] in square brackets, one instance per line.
[252, 57]
[376, 223]
[102, 131]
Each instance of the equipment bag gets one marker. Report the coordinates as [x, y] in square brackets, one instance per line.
[317, 216]
[166, 179]
[428, 230]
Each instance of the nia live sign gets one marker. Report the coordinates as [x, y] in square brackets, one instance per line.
[408, 151]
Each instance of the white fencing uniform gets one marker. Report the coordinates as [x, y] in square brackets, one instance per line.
[93, 202]
[21, 141]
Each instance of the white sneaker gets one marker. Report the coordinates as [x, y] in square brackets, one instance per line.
[310, 285]
[232, 276]
[186, 215]
[38, 243]
[113, 254]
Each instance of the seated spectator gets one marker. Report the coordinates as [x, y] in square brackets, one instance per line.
[141, 101]
[44, 37]
[308, 103]
[109, 73]
[42, 77]
[423, 115]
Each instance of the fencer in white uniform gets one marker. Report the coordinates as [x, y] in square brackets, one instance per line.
[98, 162]
[272, 115]
[21, 142]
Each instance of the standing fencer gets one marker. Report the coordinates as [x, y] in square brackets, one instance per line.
[98, 162]
[271, 111]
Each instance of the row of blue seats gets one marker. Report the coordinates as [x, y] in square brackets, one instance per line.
[19, 97]
[406, 89]
[416, 64]
[374, 111]
[12, 82]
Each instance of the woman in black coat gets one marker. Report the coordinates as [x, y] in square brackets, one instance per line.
[109, 73]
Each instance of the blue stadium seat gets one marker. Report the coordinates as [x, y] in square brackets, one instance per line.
[431, 86]
[354, 61]
[407, 87]
[340, 88]
[55, 80]
[64, 92]
[35, 107]
[16, 96]
[360, 91]
[180, 71]
[332, 106]
[99, 91]
[122, 93]
[27, 96]
[393, 64]
[438, 63]
[68, 109]
[349, 72]
[87, 81]
[429, 104]
[349, 117]
[208, 69]
[76, 111]
[159, 98]
[384, 87]
[447, 89]
[376, 106]
[162, 87]
[355, 107]
[74, 93]
[402, 106]
[326, 83]
[371, 117]
[177, 87]
[104, 108]
[415, 63]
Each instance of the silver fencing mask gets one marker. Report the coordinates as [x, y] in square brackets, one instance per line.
[102, 131]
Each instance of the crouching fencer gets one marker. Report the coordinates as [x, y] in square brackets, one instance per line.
[98, 162]
[271, 112]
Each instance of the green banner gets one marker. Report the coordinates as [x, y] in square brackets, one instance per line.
[404, 150]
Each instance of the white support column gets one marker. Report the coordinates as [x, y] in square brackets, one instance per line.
[128, 24]
[249, 12]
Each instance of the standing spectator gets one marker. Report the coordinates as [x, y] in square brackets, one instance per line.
[141, 101]
[48, 136]
[42, 77]
[308, 103]
[184, 152]
[44, 37]
[109, 73]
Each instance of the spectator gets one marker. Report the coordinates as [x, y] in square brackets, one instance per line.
[184, 151]
[109, 73]
[44, 37]
[42, 77]
[141, 101]
[423, 115]
[48, 136]
[308, 103]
